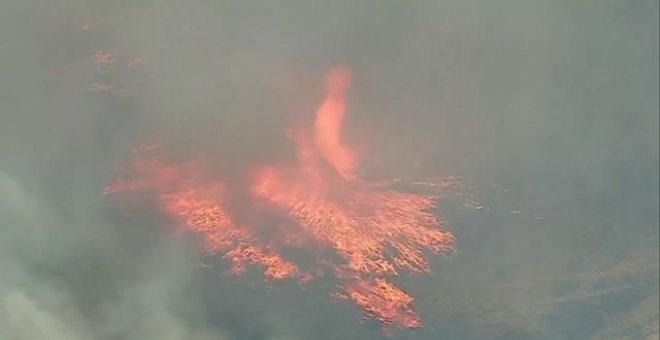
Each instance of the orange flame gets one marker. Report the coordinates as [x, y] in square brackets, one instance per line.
[329, 120]
[377, 232]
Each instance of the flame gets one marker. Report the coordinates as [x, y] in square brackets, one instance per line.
[329, 120]
[375, 231]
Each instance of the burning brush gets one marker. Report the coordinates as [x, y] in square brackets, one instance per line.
[360, 232]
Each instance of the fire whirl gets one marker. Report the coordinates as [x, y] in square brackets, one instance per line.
[361, 233]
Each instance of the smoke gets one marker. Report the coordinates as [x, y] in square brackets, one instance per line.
[550, 107]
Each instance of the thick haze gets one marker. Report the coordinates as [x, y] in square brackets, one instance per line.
[549, 107]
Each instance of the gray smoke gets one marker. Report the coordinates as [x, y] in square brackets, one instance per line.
[550, 107]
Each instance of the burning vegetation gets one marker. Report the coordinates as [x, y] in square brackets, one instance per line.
[360, 232]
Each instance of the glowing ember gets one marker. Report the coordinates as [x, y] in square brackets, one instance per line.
[376, 232]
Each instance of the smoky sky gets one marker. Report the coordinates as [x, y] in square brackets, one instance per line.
[547, 107]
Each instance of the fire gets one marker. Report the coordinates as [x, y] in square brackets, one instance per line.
[375, 231]
[329, 121]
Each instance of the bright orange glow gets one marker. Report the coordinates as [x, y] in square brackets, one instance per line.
[329, 121]
[376, 232]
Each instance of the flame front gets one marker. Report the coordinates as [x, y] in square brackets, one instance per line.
[376, 232]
